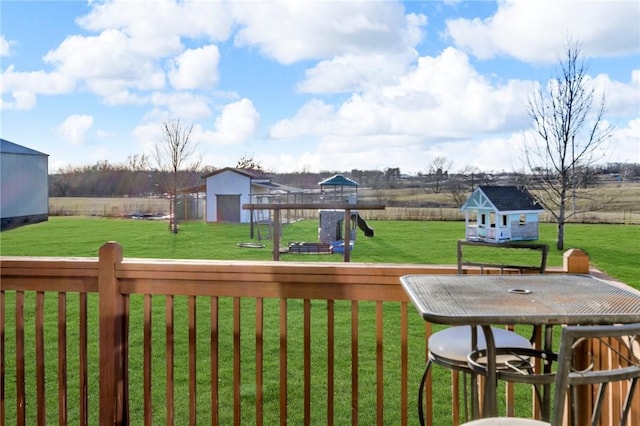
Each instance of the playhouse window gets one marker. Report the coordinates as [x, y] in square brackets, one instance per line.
[483, 219]
[523, 219]
[504, 220]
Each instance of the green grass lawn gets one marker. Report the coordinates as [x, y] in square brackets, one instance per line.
[612, 248]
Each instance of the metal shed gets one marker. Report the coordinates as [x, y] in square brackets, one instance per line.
[24, 185]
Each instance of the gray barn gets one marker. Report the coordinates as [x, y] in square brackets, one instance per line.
[24, 185]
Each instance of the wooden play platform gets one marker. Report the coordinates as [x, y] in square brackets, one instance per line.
[309, 248]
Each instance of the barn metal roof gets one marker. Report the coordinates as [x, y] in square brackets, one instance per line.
[13, 148]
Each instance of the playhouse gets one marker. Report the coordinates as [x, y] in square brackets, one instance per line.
[501, 214]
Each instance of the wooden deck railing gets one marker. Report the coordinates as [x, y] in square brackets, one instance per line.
[115, 340]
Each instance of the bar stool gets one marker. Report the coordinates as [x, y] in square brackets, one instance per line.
[623, 343]
[450, 348]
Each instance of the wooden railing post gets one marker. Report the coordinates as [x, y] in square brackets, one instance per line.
[112, 344]
[575, 261]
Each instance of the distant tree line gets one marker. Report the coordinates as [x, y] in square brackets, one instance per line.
[137, 179]
[103, 179]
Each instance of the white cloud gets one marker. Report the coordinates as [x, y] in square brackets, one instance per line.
[23, 100]
[109, 64]
[127, 55]
[155, 27]
[624, 146]
[349, 73]
[196, 68]
[236, 124]
[75, 127]
[5, 46]
[291, 31]
[189, 106]
[442, 98]
[621, 98]
[537, 31]
[314, 117]
[147, 136]
[24, 86]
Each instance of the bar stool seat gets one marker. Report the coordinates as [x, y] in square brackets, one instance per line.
[453, 344]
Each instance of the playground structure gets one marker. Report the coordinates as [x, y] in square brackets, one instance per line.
[346, 209]
[338, 212]
[331, 230]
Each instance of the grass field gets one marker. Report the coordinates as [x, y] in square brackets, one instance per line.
[612, 248]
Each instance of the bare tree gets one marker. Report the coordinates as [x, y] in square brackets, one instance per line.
[570, 136]
[438, 170]
[248, 163]
[461, 184]
[172, 154]
[138, 165]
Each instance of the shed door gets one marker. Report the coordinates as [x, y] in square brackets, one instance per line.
[228, 208]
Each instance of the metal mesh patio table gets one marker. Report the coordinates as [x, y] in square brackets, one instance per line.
[538, 300]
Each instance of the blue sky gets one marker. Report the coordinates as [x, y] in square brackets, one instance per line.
[307, 85]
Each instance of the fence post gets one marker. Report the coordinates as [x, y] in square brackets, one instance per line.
[112, 344]
[575, 261]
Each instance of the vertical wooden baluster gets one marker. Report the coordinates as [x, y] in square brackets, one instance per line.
[40, 364]
[213, 350]
[307, 360]
[455, 397]
[379, 365]
[259, 359]
[404, 364]
[125, 359]
[2, 358]
[236, 362]
[192, 360]
[83, 376]
[146, 362]
[428, 401]
[62, 358]
[354, 362]
[169, 350]
[20, 384]
[330, 359]
[283, 362]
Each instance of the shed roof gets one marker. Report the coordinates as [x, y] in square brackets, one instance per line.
[257, 178]
[505, 198]
[13, 148]
[252, 174]
[338, 180]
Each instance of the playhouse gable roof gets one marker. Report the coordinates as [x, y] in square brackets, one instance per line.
[502, 199]
[338, 180]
